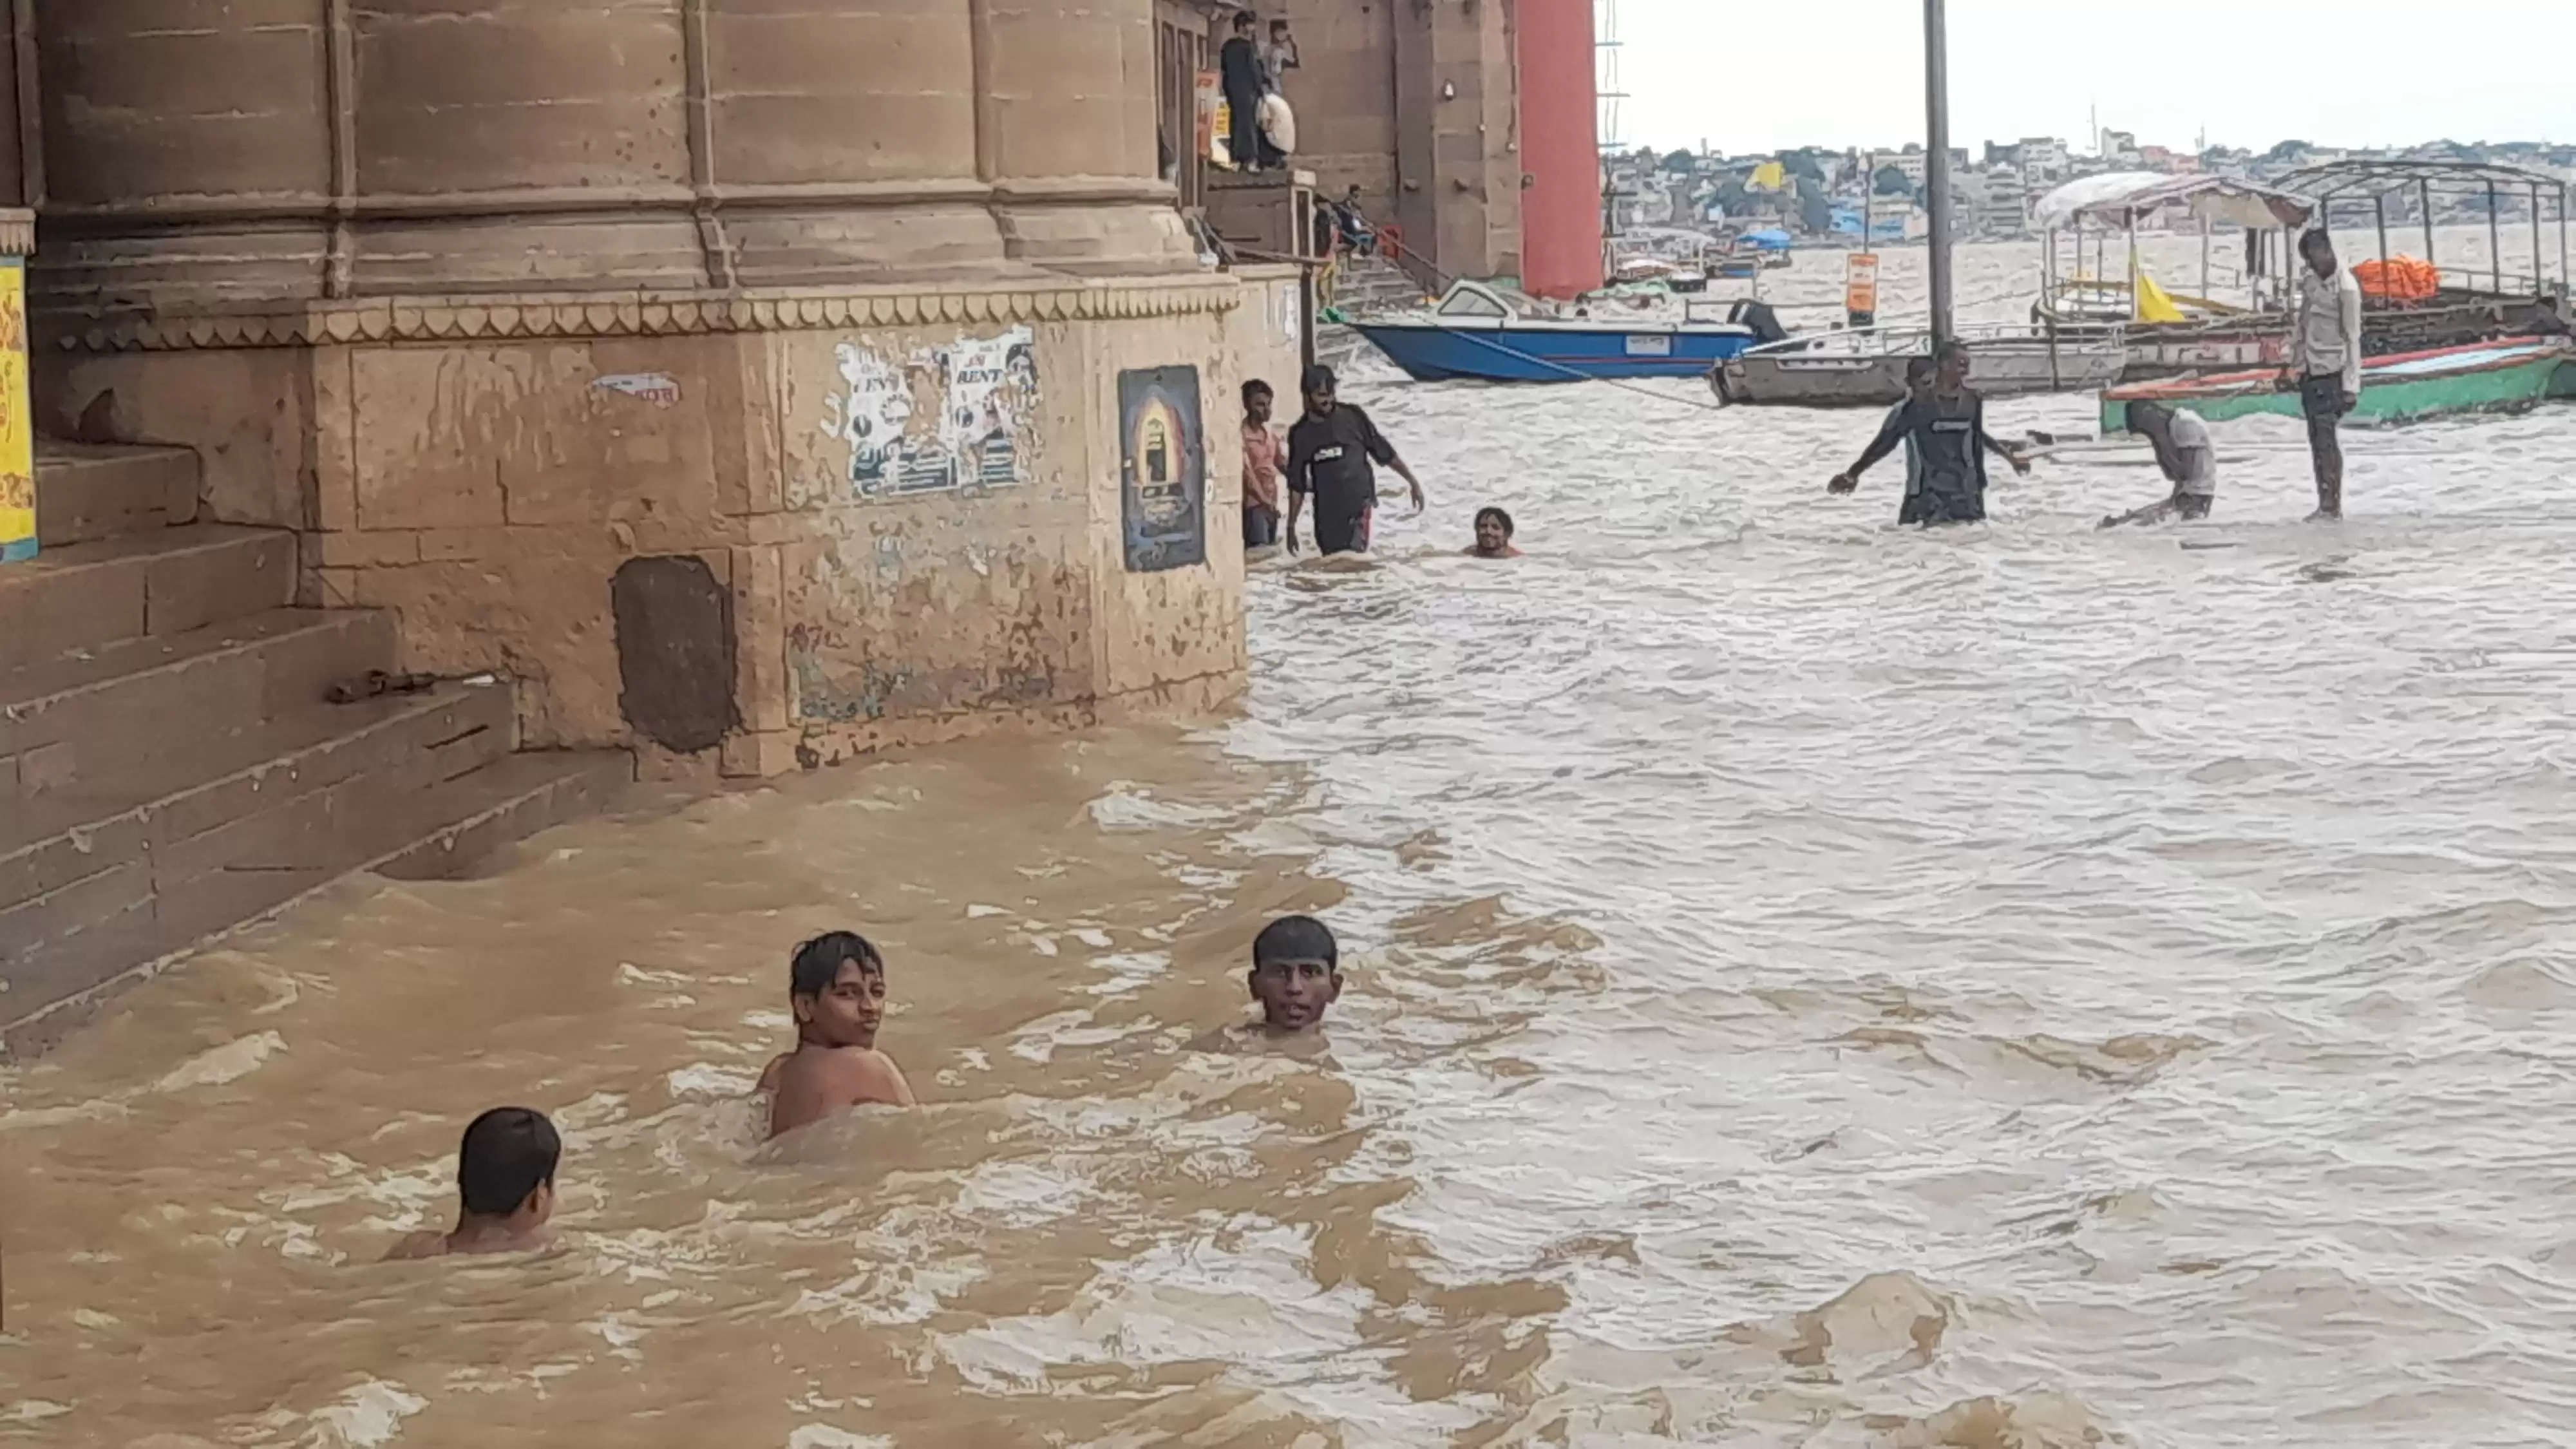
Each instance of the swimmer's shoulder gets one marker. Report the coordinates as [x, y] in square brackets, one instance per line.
[815, 1082]
[427, 1243]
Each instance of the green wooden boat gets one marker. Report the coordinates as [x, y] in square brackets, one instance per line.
[2485, 377]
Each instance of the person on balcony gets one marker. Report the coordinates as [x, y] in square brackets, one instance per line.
[1240, 70]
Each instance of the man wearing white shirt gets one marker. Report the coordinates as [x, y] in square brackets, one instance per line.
[2184, 453]
[2325, 361]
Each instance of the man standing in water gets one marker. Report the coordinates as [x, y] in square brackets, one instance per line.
[1329, 452]
[1947, 427]
[2325, 361]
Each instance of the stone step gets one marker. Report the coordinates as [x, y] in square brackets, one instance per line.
[62, 952]
[92, 714]
[60, 835]
[165, 582]
[90, 491]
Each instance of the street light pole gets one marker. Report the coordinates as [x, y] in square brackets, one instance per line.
[1936, 101]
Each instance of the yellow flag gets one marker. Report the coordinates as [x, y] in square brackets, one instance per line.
[1769, 176]
[2153, 304]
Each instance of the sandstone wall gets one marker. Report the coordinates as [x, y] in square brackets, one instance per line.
[1416, 102]
[910, 502]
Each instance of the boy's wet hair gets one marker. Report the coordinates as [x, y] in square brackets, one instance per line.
[1318, 378]
[1296, 938]
[811, 970]
[1917, 369]
[1256, 388]
[507, 1153]
[1498, 516]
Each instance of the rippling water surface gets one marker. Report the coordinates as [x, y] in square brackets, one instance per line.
[1813, 984]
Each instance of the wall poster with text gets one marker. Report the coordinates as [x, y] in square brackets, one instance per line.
[1162, 470]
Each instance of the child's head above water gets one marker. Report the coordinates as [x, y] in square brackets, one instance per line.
[1296, 972]
[836, 986]
[505, 1167]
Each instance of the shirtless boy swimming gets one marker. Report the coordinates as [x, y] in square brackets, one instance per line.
[836, 986]
[505, 1172]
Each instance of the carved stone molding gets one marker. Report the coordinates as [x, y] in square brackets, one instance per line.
[592, 315]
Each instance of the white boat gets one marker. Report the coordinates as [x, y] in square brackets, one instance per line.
[1865, 367]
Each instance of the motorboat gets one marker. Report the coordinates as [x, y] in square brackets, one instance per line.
[1865, 366]
[1479, 330]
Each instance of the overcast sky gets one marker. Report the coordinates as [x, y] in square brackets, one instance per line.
[1757, 75]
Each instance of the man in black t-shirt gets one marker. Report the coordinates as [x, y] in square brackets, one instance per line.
[1329, 453]
[1947, 427]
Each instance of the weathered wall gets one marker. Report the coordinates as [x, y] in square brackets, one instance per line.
[1416, 102]
[619, 345]
[912, 499]
[317, 150]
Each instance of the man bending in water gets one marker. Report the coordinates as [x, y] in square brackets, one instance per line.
[1947, 426]
[2183, 451]
[836, 986]
[505, 1172]
[1493, 535]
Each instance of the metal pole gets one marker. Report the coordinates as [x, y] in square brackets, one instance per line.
[2380, 204]
[1936, 105]
[2495, 241]
[2133, 267]
[2536, 278]
[2424, 192]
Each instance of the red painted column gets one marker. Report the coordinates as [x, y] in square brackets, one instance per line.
[1560, 149]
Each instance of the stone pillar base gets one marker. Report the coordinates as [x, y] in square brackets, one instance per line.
[741, 533]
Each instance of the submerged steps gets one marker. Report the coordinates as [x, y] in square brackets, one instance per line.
[171, 768]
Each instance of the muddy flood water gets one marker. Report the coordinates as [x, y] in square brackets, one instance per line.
[1811, 984]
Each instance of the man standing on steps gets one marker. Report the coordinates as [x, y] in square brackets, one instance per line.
[2325, 361]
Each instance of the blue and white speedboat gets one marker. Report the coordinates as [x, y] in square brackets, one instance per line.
[1487, 332]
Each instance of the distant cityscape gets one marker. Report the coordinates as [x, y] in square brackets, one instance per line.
[1817, 193]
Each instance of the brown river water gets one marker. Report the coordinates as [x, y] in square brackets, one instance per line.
[1811, 984]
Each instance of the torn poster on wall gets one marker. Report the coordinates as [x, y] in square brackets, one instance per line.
[960, 417]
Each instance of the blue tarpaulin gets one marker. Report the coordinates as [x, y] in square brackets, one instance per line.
[1769, 238]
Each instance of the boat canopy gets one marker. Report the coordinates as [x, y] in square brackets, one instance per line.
[2371, 177]
[2220, 201]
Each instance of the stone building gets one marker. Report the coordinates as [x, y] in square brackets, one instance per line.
[739, 385]
[1451, 116]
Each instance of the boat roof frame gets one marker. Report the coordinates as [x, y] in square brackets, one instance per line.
[2154, 191]
[2369, 178]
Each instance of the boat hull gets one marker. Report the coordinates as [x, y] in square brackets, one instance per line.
[2489, 377]
[1437, 353]
[1828, 380]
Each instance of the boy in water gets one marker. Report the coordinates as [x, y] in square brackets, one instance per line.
[505, 1172]
[1296, 974]
[1260, 469]
[1947, 425]
[836, 986]
[2184, 452]
[1493, 535]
